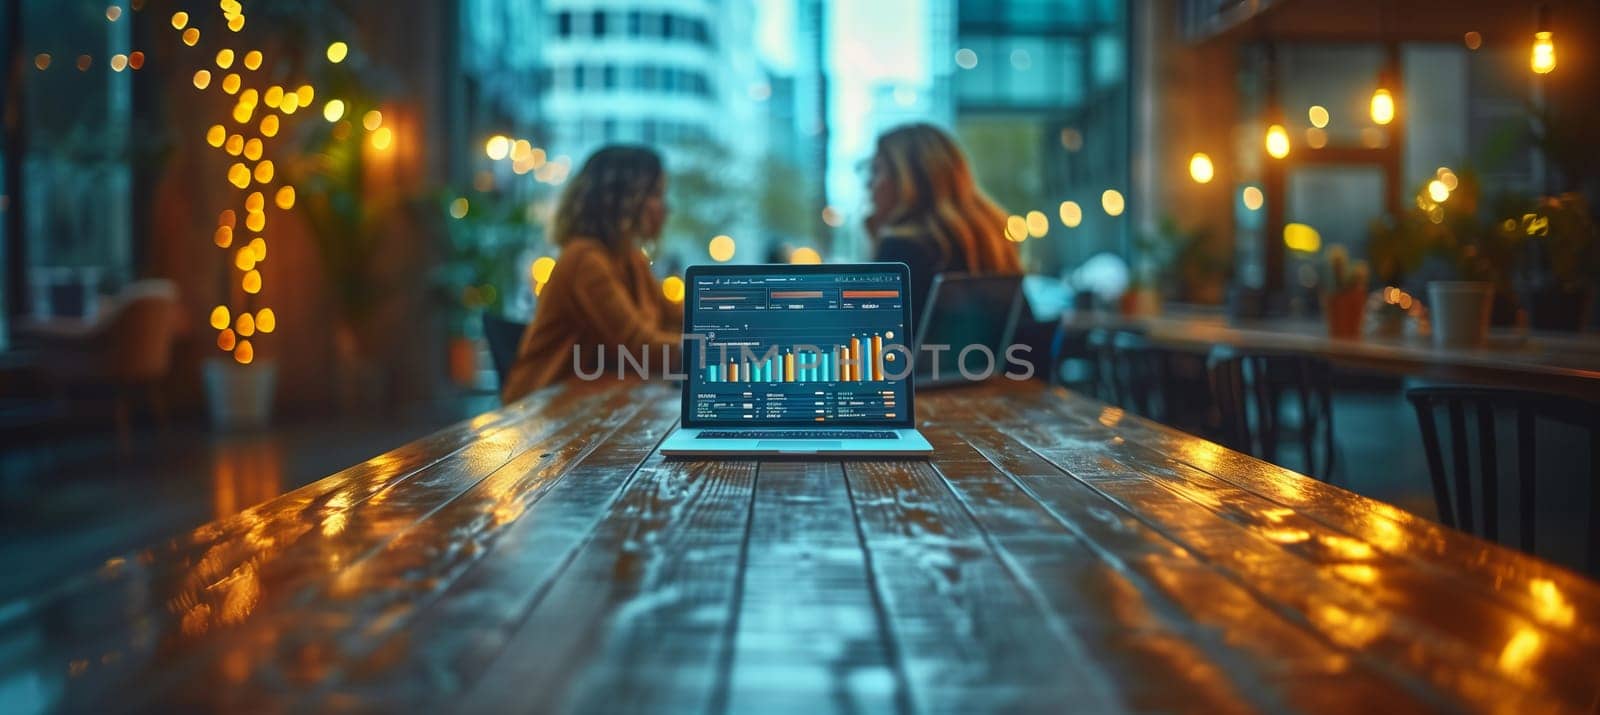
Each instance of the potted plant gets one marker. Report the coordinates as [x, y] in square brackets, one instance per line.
[1345, 299]
[487, 237]
[1558, 260]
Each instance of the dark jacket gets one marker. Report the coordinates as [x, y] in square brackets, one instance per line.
[926, 257]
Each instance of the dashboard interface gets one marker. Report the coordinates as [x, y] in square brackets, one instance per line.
[799, 348]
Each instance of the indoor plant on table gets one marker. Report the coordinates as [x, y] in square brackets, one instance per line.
[1558, 264]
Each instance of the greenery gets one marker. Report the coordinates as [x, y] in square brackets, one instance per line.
[1187, 260]
[481, 265]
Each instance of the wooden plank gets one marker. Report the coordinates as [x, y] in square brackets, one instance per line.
[640, 620]
[809, 637]
[1555, 597]
[967, 632]
[1446, 644]
[440, 646]
[1172, 633]
[175, 599]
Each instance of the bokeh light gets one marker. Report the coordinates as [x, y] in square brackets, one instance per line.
[721, 248]
[1113, 203]
[1071, 214]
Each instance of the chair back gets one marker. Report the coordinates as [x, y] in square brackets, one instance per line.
[1163, 384]
[1472, 411]
[504, 336]
[1251, 390]
[140, 328]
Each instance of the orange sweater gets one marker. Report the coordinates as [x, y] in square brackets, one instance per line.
[595, 297]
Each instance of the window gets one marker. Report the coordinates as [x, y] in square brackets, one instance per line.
[609, 77]
[635, 23]
[598, 26]
[564, 23]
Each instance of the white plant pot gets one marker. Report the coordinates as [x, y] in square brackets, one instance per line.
[240, 396]
[1460, 311]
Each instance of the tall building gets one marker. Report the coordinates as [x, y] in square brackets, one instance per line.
[572, 75]
[1041, 101]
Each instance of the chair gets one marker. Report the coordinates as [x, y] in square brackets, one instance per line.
[1250, 388]
[503, 336]
[1479, 406]
[1163, 384]
[129, 345]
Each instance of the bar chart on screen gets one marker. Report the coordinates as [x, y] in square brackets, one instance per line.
[863, 357]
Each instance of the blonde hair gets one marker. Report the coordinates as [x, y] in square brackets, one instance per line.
[934, 193]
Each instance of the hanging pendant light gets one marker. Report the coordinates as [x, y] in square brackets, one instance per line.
[1543, 57]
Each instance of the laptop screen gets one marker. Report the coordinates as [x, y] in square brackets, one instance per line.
[797, 345]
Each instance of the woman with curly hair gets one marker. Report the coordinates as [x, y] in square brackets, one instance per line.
[928, 212]
[601, 298]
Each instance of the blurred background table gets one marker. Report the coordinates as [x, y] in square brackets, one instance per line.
[1054, 552]
[1553, 362]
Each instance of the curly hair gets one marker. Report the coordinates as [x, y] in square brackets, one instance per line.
[603, 200]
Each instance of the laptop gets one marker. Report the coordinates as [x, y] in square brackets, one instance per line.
[966, 328]
[797, 360]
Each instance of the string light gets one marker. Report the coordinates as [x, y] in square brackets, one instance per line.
[1277, 141]
[1382, 106]
[285, 198]
[372, 120]
[333, 110]
[1201, 169]
[191, 36]
[252, 60]
[337, 52]
[1071, 214]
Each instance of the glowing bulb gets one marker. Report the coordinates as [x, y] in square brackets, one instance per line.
[245, 326]
[264, 172]
[1201, 169]
[273, 96]
[305, 94]
[219, 317]
[254, 202]
[1277, 141]
[258, 246]
[542, 268]
[1300, 237]
[266, 320]
[223, 237]
[239, 175]
[285, 198]
[244, 353]
[333, 110]
[1253, 198]
[1071, 214]
[459, 208]
[216, 135]
[497, 147]
[1112, 202]
[252, 149]
[180, 20]
[252, 60]
[1438, 191]
[269, 125]
[1016, 229]
[672, 289]
[224, 58]
[202, 79]
[372, 120]
[337, 51]
[244, 259]
[804, 255]
[119, 62]
[251, 282]
[1038, 224]
[721, 248]
[1543, 58]
[191, 37]
[1382, 106]
[1318, 115]
[255, 221]
[382, 138]
[236, 22]
[225, 339]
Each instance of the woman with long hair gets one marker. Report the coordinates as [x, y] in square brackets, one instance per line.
[928, 212]
[601, 297]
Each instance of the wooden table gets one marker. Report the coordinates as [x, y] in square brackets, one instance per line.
[1560, 363]
[1056, 555]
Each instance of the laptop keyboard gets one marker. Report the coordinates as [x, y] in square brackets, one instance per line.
[797, 434]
